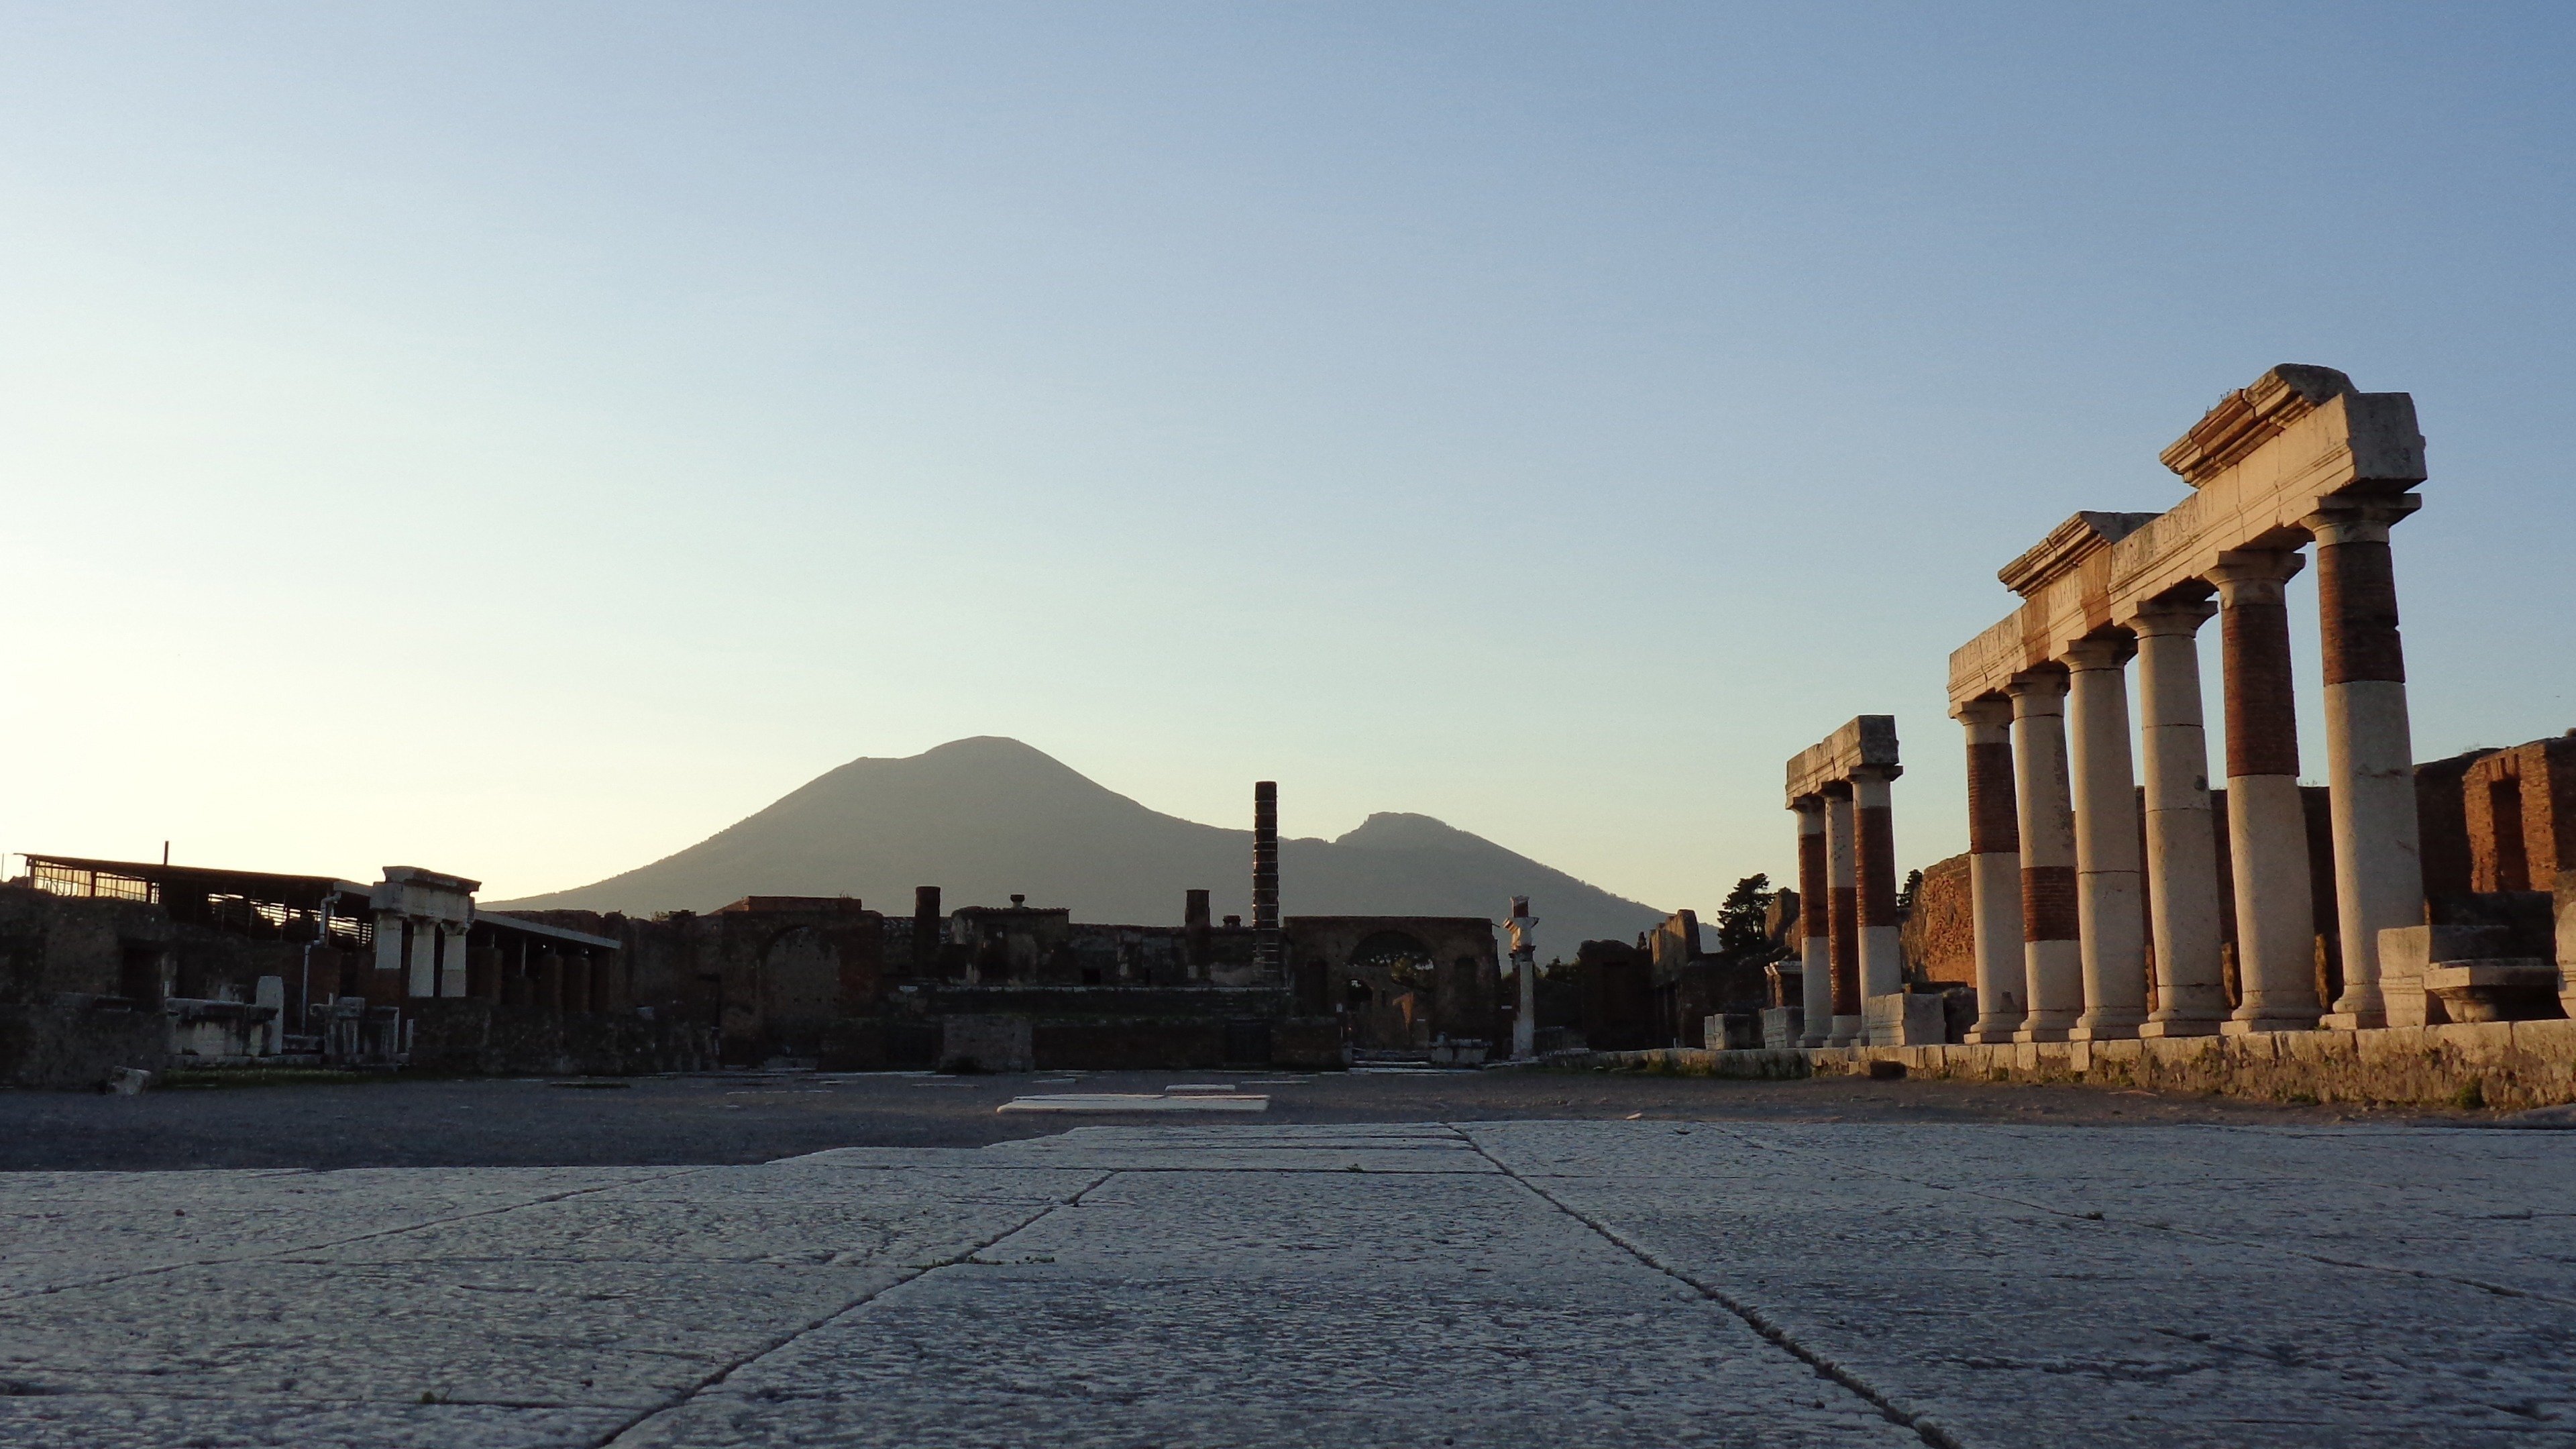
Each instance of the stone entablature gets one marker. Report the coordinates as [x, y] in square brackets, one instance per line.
[1867, 742]
[2318, 440]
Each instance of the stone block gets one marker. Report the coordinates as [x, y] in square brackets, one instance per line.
[2389, 1045]
[2478, 1045]
[1904, 1018]
[2504, 989]
[1782, 1026]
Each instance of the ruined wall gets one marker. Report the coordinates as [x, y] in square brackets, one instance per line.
[1940, 933]
[2519, 809]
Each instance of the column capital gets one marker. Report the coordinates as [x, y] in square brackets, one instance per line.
[2359, 520]
[2098, 652]
[2038, 691]
[1834, 790]
[2247, 575]
[2168, 616]
[1880, 773]
[1806, 805]
[1988, 711]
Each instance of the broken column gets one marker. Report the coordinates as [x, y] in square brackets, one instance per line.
[2110, 915]
[2267, 827]
[1994, 871]
[2052, 956]
[1524, 953]
[2370, 748]
[2182, 849]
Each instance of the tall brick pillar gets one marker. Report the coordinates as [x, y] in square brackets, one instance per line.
[2267, 828]
[2370, 748]
[1265, 875]
[2052, 953]
[926, 922]
[1994, 871]
[1882, 959]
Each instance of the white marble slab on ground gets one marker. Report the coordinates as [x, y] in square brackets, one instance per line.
[1221, 1282]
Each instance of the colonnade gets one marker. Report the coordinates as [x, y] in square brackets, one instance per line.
[1847, 878]
[2054, 820]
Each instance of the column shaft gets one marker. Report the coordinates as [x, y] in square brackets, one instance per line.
[2182, 848]
[2267, 826]
[424, 958]
[2110, 909]
[2370, 751]
[2052, 956]
[1994, 871]
[1843, 915]
[1815, 906]
[1882, 957]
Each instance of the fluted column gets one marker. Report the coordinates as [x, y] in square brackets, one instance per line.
[1994, 871]
[1882, 957]
[2370, 750]
[1842, 878]
[2052, 958]
[2182, 845]
[2267, 827]
[2110, 911]
[1815, 906]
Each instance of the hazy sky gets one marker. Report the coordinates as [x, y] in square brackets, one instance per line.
[523, 439]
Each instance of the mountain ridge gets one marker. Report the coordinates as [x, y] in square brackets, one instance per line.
[988, 816]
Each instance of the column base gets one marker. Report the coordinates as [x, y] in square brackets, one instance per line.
[2352, 1021]
[1806, 1042]
[2174, 1026]
[2257, 1025]
[2046, 1026]
[1992, 1031]
[2108, 1026]
[1846, 1032]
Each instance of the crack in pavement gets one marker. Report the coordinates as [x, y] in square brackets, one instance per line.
[1930, 1430]
[970, 1255]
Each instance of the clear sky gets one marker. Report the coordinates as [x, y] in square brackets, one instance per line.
[522, 439]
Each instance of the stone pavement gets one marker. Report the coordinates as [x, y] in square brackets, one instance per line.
[1223, 1283]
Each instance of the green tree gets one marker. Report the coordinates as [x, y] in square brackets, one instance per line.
[1740, 919]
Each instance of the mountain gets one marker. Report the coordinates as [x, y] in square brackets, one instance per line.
[987, 818]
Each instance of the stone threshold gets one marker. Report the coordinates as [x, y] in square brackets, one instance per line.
[2503, 1064]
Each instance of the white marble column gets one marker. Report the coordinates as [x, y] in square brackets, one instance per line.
[424, 958]
[1882, 957]
[2052, 955]
[1994, 871]
[1816, 949]
[2267, 825]
[2182, 842]
[2370, 750]
[1842, 881]
[451, 959]
[2110, 908]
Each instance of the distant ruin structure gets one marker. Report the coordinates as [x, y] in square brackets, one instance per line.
[1855, 970]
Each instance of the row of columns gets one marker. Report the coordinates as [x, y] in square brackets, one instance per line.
[2054, 825]
[1847, 878]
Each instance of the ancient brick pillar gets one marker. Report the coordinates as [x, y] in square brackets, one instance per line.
[1994, 871]
[1196, 932]
[1842, 914]
[2266, 821]
[2370, 748]
[1815, 904]
[1265, 875]
[2052, 954]
[2182, 850]
[927, 925]
[2110, 909]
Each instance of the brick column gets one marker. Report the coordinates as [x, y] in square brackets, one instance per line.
[2370, 751]
[1994, 871]
[2052, 956]
[2182, 849]
[1842, 880]
[2110, 909]
[1815, 907]
[2267, 828]
[1881, 966]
